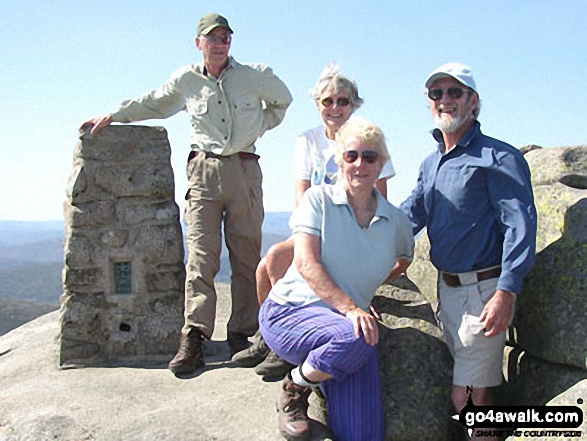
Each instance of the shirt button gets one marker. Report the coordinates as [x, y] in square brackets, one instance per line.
[219, 102]
[223, 120]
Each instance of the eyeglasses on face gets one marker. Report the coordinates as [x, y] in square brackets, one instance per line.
[341, 102]
[454, 92]
[218, 38]
[369, 156]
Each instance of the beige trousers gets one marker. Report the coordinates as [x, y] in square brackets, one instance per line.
[223, 192]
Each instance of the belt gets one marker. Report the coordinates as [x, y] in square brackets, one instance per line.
[241, 155]
[456, 280]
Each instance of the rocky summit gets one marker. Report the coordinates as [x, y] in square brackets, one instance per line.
[40, 401]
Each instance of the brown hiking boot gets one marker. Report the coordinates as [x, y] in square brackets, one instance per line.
[273, 367]
[189, 357]
[254, 354]
[293, 410]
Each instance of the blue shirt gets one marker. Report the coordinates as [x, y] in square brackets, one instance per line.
[477, 203]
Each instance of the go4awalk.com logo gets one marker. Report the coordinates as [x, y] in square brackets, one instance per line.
[553, 421]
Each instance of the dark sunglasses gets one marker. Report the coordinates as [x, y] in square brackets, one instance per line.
[342, 102]
[218, 39]
[369, 156]
[454, 92]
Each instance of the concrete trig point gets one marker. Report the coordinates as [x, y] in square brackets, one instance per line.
[124, 273]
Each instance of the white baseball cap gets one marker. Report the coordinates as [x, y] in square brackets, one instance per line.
[458, 71]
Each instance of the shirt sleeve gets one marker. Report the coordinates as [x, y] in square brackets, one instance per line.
[160, 103]
[404, 238]
[277, 99]
[302, 159]
[511, 194]
[388, 171]
[414, 206]
[307, 217]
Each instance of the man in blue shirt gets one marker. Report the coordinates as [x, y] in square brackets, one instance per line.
[475, 198]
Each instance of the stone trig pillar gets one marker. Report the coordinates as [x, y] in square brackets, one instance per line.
[124, 273]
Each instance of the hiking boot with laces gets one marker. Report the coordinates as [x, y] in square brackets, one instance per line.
[273, 367]
[292, 406]
[254, 354]
[189, 357]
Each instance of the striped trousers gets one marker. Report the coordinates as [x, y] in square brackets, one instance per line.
[326, 340]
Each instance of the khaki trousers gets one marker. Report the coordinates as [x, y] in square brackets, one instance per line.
[223, 192]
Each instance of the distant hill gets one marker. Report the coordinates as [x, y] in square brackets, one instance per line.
[31, 257]
[31, 260]
[33, 281]
[15, 313]
[26, 242]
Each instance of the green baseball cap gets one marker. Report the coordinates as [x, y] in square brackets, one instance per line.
[209, 22]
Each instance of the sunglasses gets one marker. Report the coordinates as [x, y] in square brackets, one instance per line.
[454, 92]
[369, 156]
[341, 102]
[216, 39]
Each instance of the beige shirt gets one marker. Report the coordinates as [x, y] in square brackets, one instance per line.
[227, 114]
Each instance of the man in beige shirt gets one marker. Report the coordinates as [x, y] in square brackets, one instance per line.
[230, 105]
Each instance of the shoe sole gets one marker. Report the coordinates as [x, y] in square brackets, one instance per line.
[246, 363]
[289, 437]
[180, 370]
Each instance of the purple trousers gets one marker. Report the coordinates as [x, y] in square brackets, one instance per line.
[326, 340]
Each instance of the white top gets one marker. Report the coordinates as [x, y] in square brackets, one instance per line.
[314, 158]
[358, 259]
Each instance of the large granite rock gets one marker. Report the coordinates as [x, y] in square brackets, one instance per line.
[558, 164]
[535, 382]
[550, 320]
[574, 396]
[40, 401]
[559, 180]
[422, 272]
[416, 366]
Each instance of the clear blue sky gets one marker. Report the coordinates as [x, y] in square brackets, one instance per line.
[65, 61]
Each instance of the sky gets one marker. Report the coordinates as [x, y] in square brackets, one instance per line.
[66, 61]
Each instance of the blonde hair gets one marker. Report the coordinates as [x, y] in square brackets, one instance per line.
[364, 131]
[331, 78]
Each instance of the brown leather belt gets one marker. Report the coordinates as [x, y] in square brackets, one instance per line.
[241, 155]
[454, 281]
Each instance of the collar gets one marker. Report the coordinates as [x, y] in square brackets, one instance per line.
[340, 197]
[464, 142]
[201, 67]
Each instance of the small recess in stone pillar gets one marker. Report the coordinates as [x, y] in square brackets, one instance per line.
[122, 278]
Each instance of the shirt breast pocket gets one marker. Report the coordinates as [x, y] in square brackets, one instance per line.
[245, 104]
[196, 106]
